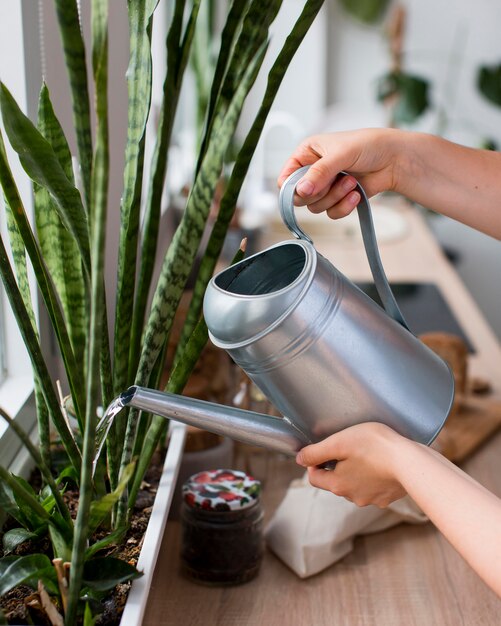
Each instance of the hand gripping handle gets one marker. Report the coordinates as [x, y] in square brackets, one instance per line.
[286, 204]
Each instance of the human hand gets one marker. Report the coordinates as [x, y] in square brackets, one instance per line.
[367, 468]
[370, 155]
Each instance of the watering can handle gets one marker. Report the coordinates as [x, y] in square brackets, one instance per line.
[286, 203]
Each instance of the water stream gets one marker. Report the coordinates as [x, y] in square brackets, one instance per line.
[103, 427]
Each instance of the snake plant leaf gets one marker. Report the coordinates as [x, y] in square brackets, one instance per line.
[58, 247]
[22, 237]
[15, 537]
[139, 89]
[99, 188]
[252, 35]
[103, 573]
[9, 505]
[74, 55]
[98, 207]
[42, 166]
[100, 175]
[100, 509]
[35, 353]
[228, 37]
[20, 494]
[489, 83]
[27, 570]
[114, 537]
[61, 541]
[89, 619]
[366, 11]
[182, 251]
[19, 257]
[33, 517]
[202, 62]
[241, 167]
[177, 48]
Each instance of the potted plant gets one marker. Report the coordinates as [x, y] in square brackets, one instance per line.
[65, 248]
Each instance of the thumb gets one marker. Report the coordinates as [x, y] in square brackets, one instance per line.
[319, 453]
[318, 178]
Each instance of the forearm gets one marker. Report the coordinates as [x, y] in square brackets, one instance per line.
[466, 513]
[462, 183]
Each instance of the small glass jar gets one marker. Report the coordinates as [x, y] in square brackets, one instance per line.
[222, 527]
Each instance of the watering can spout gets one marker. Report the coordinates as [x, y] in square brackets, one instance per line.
[274, 433]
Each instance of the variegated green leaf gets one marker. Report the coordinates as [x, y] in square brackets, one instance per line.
[58, 246]
[139, 88]
[228, 37]
[42, 165]
[74, 55]
[35, 354]
[22, 237]
[99, 195]
[19, 258]
[177, 48]
[101, 508]
[252, 35]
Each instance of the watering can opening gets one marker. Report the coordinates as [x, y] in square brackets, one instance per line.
[266, 272]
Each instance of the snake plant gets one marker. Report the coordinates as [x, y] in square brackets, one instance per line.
[64, 246]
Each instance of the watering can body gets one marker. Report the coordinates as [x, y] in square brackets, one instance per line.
[321, 350]
[324, 354]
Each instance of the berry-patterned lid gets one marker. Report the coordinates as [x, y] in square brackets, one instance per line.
[221, 490]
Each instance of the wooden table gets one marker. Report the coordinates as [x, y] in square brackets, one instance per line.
[405, 576]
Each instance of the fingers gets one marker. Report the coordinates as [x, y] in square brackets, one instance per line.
[321, 174]
[318, 453]
[289, 168]
[318, 179]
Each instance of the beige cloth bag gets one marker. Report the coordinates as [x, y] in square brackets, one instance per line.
[313, 529]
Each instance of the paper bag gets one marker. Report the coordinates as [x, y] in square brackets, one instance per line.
[313, 528]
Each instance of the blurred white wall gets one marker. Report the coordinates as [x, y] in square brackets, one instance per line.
[445, 43]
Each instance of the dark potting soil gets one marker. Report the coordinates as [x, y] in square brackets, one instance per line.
[16, 603]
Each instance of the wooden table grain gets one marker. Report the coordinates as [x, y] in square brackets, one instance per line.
[406, 576]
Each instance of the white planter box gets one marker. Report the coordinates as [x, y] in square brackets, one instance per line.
[138, 594]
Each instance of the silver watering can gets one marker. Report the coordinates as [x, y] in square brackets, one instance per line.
[320, 350]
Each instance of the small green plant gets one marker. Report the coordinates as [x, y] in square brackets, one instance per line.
[65, 249]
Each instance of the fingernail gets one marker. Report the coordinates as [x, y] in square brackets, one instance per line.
[305, 187]
[299, 459]
[354, 198]
[348, 183]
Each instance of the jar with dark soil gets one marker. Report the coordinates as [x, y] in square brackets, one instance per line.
[222, 528]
